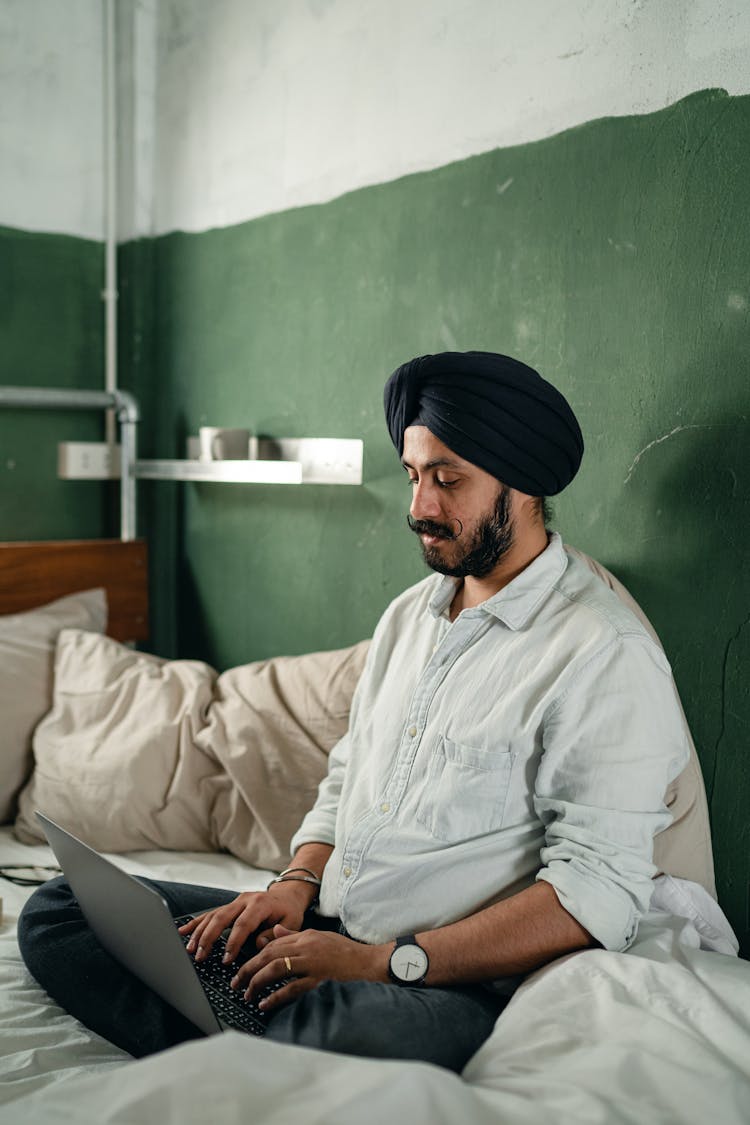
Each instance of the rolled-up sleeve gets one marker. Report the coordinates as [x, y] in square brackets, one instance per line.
[613, 740]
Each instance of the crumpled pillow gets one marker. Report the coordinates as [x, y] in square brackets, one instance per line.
[27, 654]
[139, 752]
[270, 729]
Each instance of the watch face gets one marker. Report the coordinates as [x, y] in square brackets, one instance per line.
[409, 962]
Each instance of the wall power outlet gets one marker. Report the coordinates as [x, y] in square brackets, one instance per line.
[88, 460]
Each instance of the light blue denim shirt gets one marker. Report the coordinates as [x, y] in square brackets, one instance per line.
[532, 738]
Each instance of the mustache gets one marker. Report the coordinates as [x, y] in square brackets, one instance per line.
[439, 530]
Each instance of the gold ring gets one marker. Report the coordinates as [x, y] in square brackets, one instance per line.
[288, 964]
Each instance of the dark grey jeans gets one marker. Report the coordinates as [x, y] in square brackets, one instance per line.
[439, 1025]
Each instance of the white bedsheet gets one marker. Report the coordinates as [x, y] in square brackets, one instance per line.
[40, 1044]
[660, 1034]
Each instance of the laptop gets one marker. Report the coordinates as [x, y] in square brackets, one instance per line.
[134, 924]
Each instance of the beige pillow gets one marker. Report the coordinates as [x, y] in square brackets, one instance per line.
[139, 752]
[270, 728]
[27, 647]
[115, 758]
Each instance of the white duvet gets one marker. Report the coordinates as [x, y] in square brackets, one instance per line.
[660, 1034]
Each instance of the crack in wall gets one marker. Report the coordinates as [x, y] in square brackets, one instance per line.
[658, 441]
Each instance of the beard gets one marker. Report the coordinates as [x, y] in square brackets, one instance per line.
[491, 539]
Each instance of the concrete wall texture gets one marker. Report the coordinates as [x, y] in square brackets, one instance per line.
[319, 191]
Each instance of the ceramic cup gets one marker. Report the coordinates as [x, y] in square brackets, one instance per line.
[220, 444]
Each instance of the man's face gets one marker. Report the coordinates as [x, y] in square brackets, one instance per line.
[462, 514]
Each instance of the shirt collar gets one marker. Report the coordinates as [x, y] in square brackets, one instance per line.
[516, 602]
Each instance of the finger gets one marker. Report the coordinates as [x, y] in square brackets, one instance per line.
[248, 922]
[214, 924]
[274, 971]
[193, 930]
[273, 955]
[249, 968]
[203, 937]
[270, 934]
[197, 932]
[211, 924]
[275, 950]
[288, 992]
[188, 927]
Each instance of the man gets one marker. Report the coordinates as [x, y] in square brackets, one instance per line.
[494, 802]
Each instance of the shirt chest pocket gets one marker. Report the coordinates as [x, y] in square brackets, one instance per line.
[465, 791]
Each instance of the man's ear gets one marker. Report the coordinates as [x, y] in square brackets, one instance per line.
[531, 509]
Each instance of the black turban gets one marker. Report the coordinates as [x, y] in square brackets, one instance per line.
[490, 410]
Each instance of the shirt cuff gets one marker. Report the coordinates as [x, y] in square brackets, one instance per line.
[318, 827]
[610, 917]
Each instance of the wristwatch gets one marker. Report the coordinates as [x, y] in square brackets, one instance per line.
[409, 962]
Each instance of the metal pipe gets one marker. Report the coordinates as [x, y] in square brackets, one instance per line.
[56, 398]
[127, 479]
[126, 410]
[126, 407]
[109, 294]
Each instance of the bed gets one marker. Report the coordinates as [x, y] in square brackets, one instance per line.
[205, 792]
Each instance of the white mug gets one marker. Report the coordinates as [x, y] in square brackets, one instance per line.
[217, 443]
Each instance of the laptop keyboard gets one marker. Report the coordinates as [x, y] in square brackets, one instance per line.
[227, 1002]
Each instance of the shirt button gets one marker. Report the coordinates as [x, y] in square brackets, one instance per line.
[412, 731]
[385, 807]
[347, 871]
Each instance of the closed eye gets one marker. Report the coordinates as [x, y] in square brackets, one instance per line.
[440, 483]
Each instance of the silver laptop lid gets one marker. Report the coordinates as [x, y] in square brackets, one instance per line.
[133, 923]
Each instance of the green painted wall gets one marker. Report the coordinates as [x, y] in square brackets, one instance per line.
[615, 257]
[51, 335]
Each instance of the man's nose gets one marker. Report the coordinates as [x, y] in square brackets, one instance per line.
[425, 503]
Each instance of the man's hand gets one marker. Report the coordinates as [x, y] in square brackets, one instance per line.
[285, 902]
[309, 957]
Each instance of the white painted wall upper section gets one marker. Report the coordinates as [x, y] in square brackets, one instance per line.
[51, 121]
[265, 105]
[136, 32]
[231, 109]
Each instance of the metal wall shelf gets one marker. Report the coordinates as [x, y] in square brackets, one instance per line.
[282, 460]
[321, 460]
[228, 472]
[279, 461]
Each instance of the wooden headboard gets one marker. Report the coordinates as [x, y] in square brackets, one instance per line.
[32, 574]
